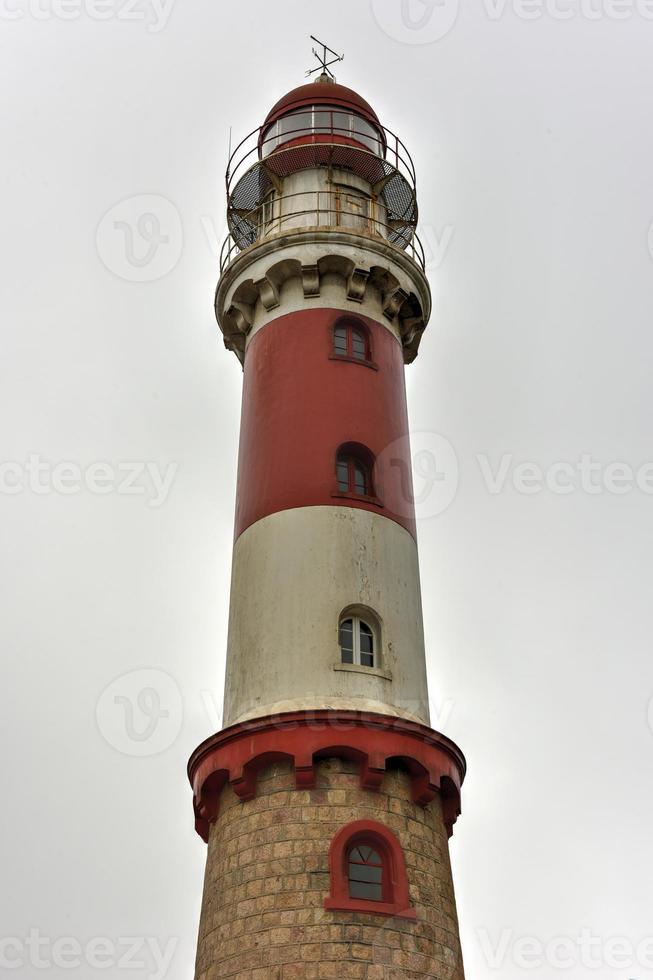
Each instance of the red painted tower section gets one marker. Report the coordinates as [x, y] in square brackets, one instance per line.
[301, 401]
[327, 799]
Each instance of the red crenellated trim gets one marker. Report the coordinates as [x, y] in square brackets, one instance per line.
[396, 899]
[236, 755]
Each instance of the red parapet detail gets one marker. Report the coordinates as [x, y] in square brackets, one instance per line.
[236, 755]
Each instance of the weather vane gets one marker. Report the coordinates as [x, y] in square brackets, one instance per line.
[323, 58]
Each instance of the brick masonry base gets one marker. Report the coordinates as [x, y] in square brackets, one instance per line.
[263, 915]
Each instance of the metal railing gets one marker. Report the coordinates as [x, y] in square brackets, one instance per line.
[319, 210]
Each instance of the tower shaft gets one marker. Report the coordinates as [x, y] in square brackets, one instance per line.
[326, 801]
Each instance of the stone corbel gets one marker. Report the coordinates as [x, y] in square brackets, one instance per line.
[240, 317]
[357, 284]
[268, 293]
[393, 301]
[311, 280]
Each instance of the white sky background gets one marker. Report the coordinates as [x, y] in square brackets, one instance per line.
[532, 141]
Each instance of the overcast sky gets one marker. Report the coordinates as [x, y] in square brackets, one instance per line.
[530, 128]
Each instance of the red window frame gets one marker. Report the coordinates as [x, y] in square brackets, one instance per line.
[353, 463]
[356, 455]
[351, 326]
[396, 897]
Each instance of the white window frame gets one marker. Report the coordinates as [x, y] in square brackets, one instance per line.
[356, 621]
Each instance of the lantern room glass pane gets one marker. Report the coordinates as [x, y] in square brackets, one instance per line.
[300, 121]
[322, 120]
[342, 123]
[366, 134]
[295, 124]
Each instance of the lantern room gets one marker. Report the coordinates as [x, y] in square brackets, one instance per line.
[321, 160]
[322, 112]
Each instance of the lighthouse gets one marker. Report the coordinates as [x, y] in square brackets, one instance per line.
[327, 800]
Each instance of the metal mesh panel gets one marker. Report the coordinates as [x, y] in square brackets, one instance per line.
[251, 190]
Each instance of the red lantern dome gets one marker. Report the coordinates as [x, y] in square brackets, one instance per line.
[323, 91]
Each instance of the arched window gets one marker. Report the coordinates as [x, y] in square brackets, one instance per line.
[351, 341]
[356, 641]
[354, 465]
[368, 871]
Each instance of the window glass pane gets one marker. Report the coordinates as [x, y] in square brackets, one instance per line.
[367, 639]
[342, 123]
[295, 124]
[346, 630]
[340, 340]
[367, 890]
[360, 479]
[322, 120]
[366, 134]
[270, 140]
[358, 345]
[365, 872]
[347, 641]
[342, 472]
